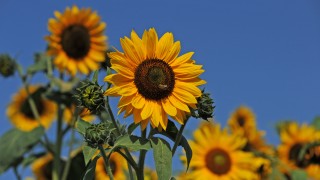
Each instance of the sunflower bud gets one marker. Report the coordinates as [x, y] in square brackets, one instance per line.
[7, 65]
[97, 134]
[90, 96]
[205, 107]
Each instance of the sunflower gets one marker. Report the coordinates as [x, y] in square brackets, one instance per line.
[242, 121]
[218, 155]
[77, 40]
[118, 166]
[293, 138]
[150, 174]
[42, 167]
[152, 80]
[20, 113]
[84, 114]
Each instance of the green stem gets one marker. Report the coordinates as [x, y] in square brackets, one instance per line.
[179, 136]
[142, 156]
[56, 162]
[16, 173]
[119, 132]
[106, 162]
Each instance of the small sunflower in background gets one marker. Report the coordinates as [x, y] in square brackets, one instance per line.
[118, 166]
[150, 174]
[42, 167]
[293, 138]
[218, 155]
[20, 113]
[84, 114]
[153, 80]
[242, 121]
[77, 40]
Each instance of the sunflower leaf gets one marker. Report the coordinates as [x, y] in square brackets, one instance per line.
[81, 126]
[133, 143]
[162, 157]
[316, 122]
[95, 76]
[90, 170]
[172, 132]
[28, 160]
[21, 142]
[298, 174]
[88, 153]
[40, 63]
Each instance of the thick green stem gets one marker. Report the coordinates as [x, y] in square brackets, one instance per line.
[119, 132]
[15, 170]
[179, 136]
[106, 162]
[142, 156]
[56, 162]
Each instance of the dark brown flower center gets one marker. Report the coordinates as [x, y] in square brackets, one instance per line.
[241, 121]
[218, 161]
[154, 79]
[75, 41]
[25, 108]
[313, 155]
[294, 156]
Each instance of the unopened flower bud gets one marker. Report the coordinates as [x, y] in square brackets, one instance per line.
[90, 96]
[205, 107]
[96, 134]
[7, 65]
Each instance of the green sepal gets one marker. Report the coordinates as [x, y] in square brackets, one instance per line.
[88, 153]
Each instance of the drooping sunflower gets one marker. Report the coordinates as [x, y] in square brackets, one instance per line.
[20, 114]
[218, 155]
[293, 138]
[84, 114]
[42, 167]
[152, 80]
[118, 166]
[77, 41]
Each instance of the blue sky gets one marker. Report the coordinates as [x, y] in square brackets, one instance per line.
[263, 54]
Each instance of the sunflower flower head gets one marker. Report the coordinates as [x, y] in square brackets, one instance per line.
[99, 134]
[205, 106]
[7, 65]
[153, 81]
[90, 95]
[21, 113]
[296, 138]
[218, 155]
[77, 41]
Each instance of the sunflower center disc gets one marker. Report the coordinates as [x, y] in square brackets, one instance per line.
[241, 121]
[26, 109]
[154, 79]
[75, 41]
[294, 156]
[218, 161]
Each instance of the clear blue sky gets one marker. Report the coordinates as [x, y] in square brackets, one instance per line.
[263, 54]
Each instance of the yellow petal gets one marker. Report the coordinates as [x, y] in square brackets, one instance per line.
[174, 52]
[138, 101]
[195, 91]
[164, 45]
[147, 110]
[168, 107]
[178, 104]
[182, 59]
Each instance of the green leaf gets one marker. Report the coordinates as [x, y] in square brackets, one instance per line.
[95, 76]
[162, 158]
[28, 160]
[88, 153]
[40, 63]
[171, 132]
[298, 175]
[15, 143]
[81, 126]
[132, 127]
[316, 122]
[133, 143]
[90, 170]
